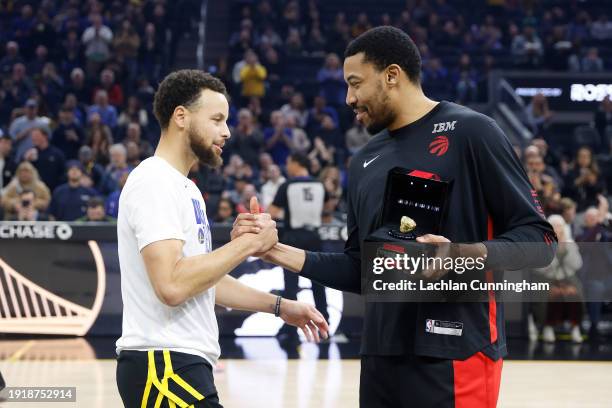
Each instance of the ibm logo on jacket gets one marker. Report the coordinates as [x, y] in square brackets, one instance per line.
[203, 227]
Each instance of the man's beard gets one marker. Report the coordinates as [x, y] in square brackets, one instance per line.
[385, 115]
[205, 155]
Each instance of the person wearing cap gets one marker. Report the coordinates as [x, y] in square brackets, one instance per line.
[20, 127]
[48, 159]
[70, 200]
[100, 179]
[96, 212]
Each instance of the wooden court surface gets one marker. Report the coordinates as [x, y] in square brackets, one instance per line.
[302, 383]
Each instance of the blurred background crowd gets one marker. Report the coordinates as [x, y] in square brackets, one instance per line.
[78, 79]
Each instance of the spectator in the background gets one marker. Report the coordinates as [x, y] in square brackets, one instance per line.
[330, 177]
[101, 106]
[8, 166]
[48, 159]
[51, 87]
[270, 187]
[603, 119]
[277, 138]
[300, 143]
[333, 139]
[275, 68]
[246, 140]
[322, 152]
[99, 138]
[538, 114]
[543, 184]
[126, 44]
[568, 212]
[113, 89]
[133, 153]
[21, 127]
[94, 171]
[265, 164]
[583, 182]
[10, 58]
[242, 41]
[134, 134]
[26, 178]
[552, 159]
[296, 108]
[361, 25]
[118, 162]
[68, 136]
[26, 209]
[252, 76]
[149, 55]
[96, 212]
[112, 201]
[225, 212]
[238, 168]
[293, 43]
[601, 29]
[318, 112]
[436, 78]
[331, 81]
[465, 78]
[79, 109]
[71, 52]
[97, 40]
[235, 194]
[21, 85]
[316, 44]
[41, 57]
[592, 62]
[133, 112]
[356, 137]
[596, 278]
[69, 200]
[248, 192]
[565, 297]
[527, 49]
[541, 165]
[78, 86]
[269, 38]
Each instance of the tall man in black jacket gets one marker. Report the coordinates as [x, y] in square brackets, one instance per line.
[492, 209]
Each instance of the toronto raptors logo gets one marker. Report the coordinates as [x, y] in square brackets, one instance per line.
[439, 146]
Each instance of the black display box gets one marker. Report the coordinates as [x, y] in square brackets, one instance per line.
[418, 195]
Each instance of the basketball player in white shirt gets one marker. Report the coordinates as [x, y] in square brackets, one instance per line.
[170, 277]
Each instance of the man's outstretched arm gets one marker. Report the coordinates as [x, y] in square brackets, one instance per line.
[340, 270]
[231, 293]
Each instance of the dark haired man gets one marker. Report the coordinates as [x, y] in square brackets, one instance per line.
[170, 277]
[404, 363]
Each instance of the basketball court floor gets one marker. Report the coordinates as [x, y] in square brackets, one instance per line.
[258, 373]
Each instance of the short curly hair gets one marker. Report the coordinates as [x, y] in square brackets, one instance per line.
[386, 45]
[182, 87]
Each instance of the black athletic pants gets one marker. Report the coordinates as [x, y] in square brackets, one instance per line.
[166, 379]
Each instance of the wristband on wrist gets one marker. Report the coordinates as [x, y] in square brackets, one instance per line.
[277, 306]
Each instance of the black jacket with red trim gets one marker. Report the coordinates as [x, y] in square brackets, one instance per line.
[491, 201]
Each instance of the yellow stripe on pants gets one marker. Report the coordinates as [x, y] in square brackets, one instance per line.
[162, 386]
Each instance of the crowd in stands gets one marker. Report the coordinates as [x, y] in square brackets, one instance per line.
[78, 79]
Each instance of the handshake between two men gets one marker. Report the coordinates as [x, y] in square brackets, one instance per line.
[262, 228]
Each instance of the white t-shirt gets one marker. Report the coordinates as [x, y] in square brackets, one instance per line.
[159, 203]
